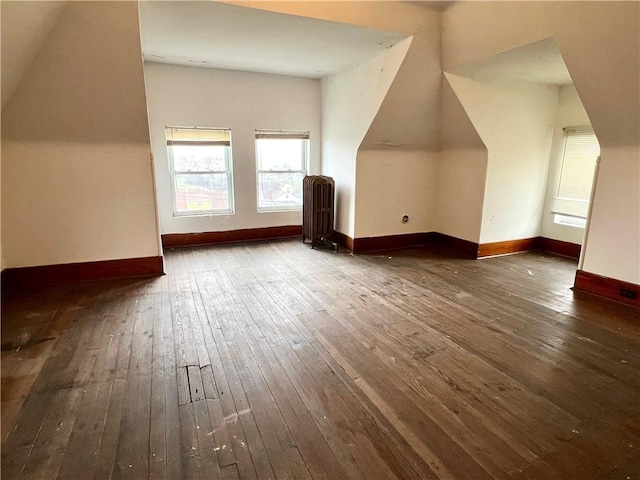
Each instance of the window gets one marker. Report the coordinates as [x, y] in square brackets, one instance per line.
[282, 164]
[201, 170]
[575, 177]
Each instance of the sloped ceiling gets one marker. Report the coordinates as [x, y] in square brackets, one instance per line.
[538, 62]
[218, 35]
[25, 26]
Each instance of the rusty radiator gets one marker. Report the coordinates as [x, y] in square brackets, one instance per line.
[317, 209]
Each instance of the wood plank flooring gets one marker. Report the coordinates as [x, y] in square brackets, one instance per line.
[272, 360]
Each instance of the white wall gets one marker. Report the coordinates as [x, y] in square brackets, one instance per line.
[243, 102]
[462, 170]
[77, 181]
[598, 41]
[515, 121]
[570, 113]
[392, 181]
[392, 184]
[350, 101]
[615, 221]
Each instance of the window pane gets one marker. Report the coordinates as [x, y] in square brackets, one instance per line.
[199, 158]
[280, 154]
[202, 192]
[575, 175]
[280, 189]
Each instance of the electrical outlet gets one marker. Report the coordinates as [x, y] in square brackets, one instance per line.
[628, 293]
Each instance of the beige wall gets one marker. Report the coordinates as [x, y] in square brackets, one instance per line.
[77, 181]
[243, 102]
[25, 25]
[391, 184]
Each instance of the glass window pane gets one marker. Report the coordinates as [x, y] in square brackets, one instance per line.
[202, 192]
[199, 158]
[280, 189]
[280, 154]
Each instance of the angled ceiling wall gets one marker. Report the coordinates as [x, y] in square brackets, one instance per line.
[25, 26]
[599, 44]
[77, 182]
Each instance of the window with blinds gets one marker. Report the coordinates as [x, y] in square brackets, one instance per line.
[281, 159]
[201, 170]
[575, 174]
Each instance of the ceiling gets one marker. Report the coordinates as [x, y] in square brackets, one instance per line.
[217, 35]
[539, 62]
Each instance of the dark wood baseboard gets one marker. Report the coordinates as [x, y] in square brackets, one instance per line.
[170, 240]
[606, 287]
[343, 240]
[559, 247]
[392, 242]
[508, 246]
[81, 272]
[464, 247]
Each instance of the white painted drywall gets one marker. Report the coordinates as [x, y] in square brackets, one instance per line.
[462, 168]
[25, 25]
[390, 184]
[515, 121]
[77, 183]
[460, 192]
[243, 102]
[350, 101]
[401, 17]
[396, 166]
[409, 113]
[599, 44]
[570, 113]
[613, 240]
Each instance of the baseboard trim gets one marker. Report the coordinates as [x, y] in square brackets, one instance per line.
[558, 247]
[392, 242]
[606, 287]
[81, 272]
[172, 240]
[508, 246]
[343, 240]
[464, 247]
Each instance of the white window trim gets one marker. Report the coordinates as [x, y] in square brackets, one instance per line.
[558, 209]
[228, 171]
[280, 134]
[569, 221]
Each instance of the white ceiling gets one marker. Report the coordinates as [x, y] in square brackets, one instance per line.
[539, 62]
[217, 35]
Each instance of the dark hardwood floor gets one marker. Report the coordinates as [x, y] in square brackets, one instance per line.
[273, 360]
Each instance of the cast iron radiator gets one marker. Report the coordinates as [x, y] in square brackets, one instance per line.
[317, 209]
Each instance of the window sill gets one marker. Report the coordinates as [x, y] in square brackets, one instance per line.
[297, 208]
[202, 214]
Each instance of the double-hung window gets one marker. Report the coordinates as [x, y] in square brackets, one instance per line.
[575, 177]
[282, 158]
[201, 170]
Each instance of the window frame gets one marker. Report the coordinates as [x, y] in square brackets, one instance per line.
[261, 134]
[227, 172]
[561, 209]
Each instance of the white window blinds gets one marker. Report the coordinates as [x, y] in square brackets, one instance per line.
[575, 175]
[198, 136]
[281, 135]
